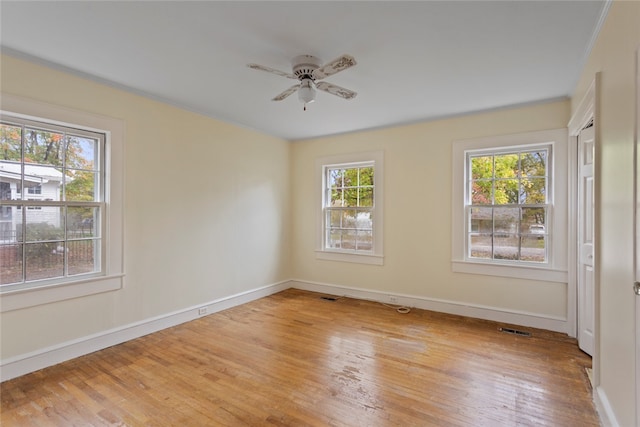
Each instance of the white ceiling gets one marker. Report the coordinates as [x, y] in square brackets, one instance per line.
[417, 60]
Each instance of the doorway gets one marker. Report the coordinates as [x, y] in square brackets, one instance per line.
[583, 290]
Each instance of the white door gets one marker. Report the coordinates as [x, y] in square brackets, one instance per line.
[586, 274]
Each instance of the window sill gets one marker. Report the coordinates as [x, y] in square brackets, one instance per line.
[23, 298]
[370, 259]
[543, 274]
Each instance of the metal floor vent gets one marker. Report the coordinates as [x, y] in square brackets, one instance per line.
[515, 332]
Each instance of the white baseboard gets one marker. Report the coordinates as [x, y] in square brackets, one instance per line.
[605, 411]
[451, 307]
[30, 362]
[23, 364]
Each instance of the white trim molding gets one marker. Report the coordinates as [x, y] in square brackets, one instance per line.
[25, 363]
[555, 270]
[496, 314]
[112, 277]
[586, 111]
[605, 411]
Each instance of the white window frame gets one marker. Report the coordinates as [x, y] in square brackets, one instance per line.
[555, 269]
[112, 277]
[376, 159]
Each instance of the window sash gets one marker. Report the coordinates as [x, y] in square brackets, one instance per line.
[353, 238]
[93, 238]
[512, 244]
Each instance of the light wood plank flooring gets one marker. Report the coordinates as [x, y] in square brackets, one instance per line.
[294, 359]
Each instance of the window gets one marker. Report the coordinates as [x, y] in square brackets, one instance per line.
[507, 204]
[65, 167]
[62, 192]
[36, 189]
[510, 206]
[350, 220]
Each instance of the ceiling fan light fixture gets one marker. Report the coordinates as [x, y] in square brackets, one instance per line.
[307, 91]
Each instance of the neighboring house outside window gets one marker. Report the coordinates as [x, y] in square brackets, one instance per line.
[350, 220]
[61, 203]
[510, 206]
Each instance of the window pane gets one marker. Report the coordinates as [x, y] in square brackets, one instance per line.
[336, 197]
[349, 239]
[350, 178]
[481, 220]
[366, 176]
[10, 142]
[365, 240]
[81, 186]
[349, 218]
[506, 246]
[366, 197]
[335, 239]
[335, 178]
[46, 223]
[82, 222]
[334, 219]
[506, 165]
[82, 153]
[481, 192]
[82, 256]
[533, 221]
[10, 264]
[534, 191]
[480, 246]
[10, 224]
[533, 249]
[506, 220]
[365, 220]
[482, 167]
[534, 164]
[507, 191]
[44, 260]
[350, 197]
[43, 147]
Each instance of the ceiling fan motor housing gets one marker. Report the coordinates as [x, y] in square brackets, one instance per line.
[305, 65]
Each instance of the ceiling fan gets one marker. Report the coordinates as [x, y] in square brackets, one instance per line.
[308, 70]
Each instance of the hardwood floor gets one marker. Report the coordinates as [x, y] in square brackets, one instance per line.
[294, 359]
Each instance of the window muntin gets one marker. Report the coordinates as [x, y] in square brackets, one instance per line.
[348, 210]
[507, 204]
[59, 234]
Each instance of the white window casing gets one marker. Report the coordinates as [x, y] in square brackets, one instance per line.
[369, 253]
[111, 276]
[554, 268]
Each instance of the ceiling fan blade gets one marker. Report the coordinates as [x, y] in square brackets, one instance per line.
[336, 90]
[286, 93]
[335, 66]
[272, 71]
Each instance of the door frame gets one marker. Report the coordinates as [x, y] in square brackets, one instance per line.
[587, 110]
[636, 243]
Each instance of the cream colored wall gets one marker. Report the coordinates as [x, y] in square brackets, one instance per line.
[417, 213]
[206, 211]
[614, 57]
